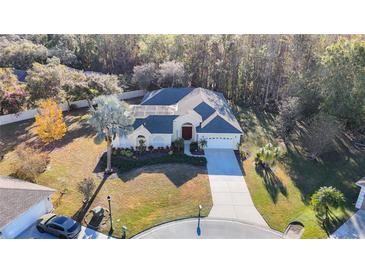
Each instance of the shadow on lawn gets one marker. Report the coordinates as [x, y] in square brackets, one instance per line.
[340, 168]
[76, 128]
[173, 171]
[333, 222]
[272, 183]
[83, 210]
[14, 134]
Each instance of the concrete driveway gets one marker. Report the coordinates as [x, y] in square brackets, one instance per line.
[231, 198]
[353, 228]
[208, 228]
[85, 233]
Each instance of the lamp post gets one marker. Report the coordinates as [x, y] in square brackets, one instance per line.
[109, 198]
[198, 230]
[200, 209]
[124, 232]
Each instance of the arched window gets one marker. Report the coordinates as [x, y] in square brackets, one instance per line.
[141, 140]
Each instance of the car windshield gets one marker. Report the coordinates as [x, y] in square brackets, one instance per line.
[73, 228]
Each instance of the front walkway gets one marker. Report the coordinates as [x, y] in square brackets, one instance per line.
[353, 228]
[231, 198]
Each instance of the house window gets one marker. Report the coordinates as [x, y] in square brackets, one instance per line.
[140, 138]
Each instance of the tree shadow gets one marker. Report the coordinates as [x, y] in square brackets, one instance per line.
[333, 222]
[77, 127]
[339, 168]
[273, 184]
[80, 214]
[14, 134]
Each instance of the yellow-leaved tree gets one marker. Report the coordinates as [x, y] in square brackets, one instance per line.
[49, 122]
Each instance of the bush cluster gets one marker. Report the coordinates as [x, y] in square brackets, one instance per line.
[29, 163]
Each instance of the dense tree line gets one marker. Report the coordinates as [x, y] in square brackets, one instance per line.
[312, 73]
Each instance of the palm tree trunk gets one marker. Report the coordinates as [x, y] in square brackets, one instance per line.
[109, 156]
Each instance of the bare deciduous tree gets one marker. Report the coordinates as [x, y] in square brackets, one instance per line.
[86, 188]
[289, 113]
[321, 132]
[144, 75]
[171, 74]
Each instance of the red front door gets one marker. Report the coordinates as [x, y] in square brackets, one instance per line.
[187, 133]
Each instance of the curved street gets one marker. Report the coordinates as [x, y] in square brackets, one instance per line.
[208, 228]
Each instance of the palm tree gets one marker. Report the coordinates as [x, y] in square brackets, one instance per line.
[267, 155]
[110, 118]
[326, 197]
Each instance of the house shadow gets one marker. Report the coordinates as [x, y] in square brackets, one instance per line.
[273, 184]
[173, 171]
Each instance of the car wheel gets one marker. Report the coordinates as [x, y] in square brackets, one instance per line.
[63, 237]
[41, 230]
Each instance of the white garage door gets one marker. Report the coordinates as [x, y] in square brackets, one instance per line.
[221, 142]
[26, 219]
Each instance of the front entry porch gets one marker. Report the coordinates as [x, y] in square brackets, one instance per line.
[187, 131]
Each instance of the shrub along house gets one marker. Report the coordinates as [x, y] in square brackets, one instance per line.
[190, 113]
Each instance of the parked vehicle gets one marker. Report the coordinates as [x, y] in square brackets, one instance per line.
[58, 225]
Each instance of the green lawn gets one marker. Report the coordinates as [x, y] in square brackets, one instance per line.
[284, 196]
[141, 198]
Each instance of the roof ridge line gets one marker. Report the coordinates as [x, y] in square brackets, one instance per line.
[28, 189]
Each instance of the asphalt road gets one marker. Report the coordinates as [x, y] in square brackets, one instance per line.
[208, 229]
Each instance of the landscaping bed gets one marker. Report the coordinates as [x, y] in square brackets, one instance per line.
[195, 149]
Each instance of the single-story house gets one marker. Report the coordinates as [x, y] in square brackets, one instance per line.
[193, 114]
[21, 205]
[360, 203]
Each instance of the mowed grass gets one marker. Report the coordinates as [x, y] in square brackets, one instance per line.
[141, 198]
[284, 196]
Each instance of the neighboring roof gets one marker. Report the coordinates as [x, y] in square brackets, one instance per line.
[166, 96]
[17, 196]
[218, 125]
[20, 74]
[204, 110]
[156, 123]
[361, 182]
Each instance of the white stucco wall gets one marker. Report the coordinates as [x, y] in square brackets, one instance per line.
[26, 219]
[192, 117]
[155, 140]
[161, 140]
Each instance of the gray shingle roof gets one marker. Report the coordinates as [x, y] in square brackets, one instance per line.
[166, 96]
[218, 125]
[204, 110]
[17, 196]
[156, 123]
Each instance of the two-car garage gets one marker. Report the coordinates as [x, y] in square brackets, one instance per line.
[222, 141]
